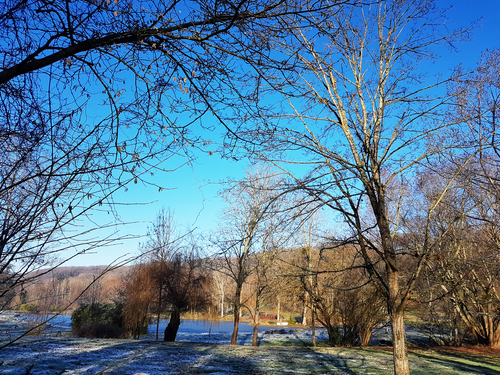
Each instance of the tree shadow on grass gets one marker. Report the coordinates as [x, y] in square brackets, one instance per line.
[266, 340]
[276, 360]
[474, 357]
[455, 362]
[355, 360]
[127, 357]
[195, 358]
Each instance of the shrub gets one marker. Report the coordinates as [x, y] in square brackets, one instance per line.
[139, 326]
[28, 307]
[97, 318]
[291, 320]
[56, 308]
[102, 331]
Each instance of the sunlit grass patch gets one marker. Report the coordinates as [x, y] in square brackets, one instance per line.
[446, 362]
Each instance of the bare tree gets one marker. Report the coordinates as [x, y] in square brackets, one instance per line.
[476, 104]
[162, 246]
[276, 235]
[222, 285]
[307, 269]
[185, 288]
[98, 95]
[467, 266]
[251, 203]
[365, 120]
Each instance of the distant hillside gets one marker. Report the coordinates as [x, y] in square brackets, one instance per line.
[75, 271]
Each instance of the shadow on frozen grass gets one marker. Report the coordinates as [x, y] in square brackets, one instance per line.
[71, 356]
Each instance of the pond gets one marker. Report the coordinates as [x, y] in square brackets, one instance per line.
[205, 326]
[63, 322]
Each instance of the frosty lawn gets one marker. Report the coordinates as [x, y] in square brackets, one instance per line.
[56, 352]
[47, 355]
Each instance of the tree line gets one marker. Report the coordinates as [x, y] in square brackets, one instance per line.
[267, 257]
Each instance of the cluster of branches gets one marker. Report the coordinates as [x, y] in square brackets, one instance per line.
[256, 225]
[358, 111]
[99, 94]
[347, 101]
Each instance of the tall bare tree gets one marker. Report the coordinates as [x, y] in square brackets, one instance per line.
[467, 266]
[222, 284]
[276, 236]
[251, 203]
[363, 117]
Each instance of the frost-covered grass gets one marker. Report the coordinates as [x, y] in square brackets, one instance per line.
[210, 354]
[127, 357]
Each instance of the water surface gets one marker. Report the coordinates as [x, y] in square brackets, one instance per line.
[206, 326]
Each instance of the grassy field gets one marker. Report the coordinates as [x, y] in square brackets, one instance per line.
[38, 356]
[57, 352]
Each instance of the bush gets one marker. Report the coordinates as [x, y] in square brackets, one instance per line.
[56, 308]
[28, 307]
[102, 331]
[139, 326]
[291, 320]
[98, 318]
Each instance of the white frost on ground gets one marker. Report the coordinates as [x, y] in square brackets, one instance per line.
[58, 353]
[292, 335]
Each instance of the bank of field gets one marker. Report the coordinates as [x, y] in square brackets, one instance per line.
[38, 356]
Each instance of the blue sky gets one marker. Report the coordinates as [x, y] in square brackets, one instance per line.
[191, 191]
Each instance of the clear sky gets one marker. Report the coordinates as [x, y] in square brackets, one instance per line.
[192, 190]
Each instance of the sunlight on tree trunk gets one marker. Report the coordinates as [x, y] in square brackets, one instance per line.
[401, 364]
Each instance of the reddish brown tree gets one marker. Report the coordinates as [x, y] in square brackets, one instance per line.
[175, 267]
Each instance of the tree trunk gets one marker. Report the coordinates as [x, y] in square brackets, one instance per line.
[395, 304]
[234, 337]
[255, 337]
[157, 325]
[364, 335]
[487, 331]
[173, 326]
[401, 364]
[158, 315]
[236, 314]
[484, 327]
[494, 341]
[304, 314]
[493, 331]
[313, 326]
[333, 334]
[278, 318]
[222, 305]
